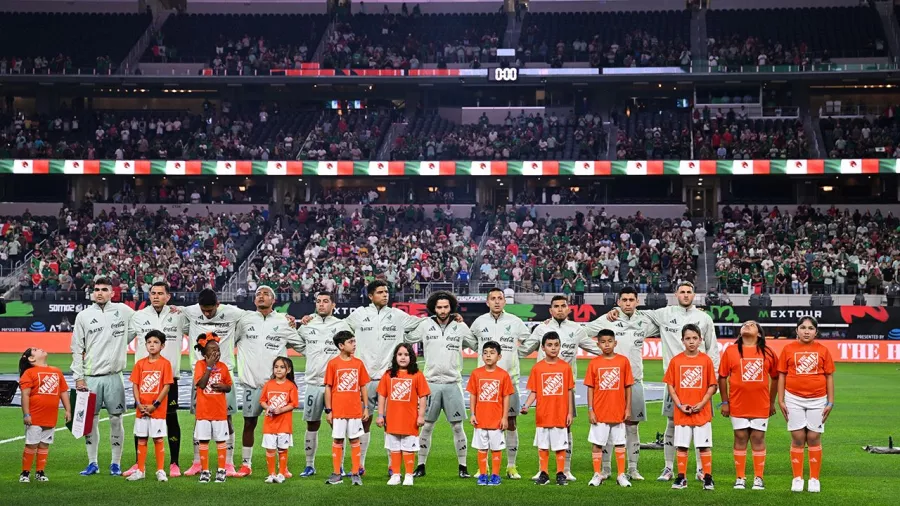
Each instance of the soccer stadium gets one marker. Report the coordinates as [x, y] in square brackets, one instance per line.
[502, 252]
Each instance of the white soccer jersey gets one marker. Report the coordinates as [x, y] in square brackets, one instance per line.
[259, 339]
[169, 323]
[670, 321]
[378, 332]
[631, 331]
[223, 323]
[316, 343]
[442, 346]
[100, 340]
[510, 332]
[571, 336]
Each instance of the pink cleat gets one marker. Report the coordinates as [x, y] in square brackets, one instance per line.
[231, 472]
[194, 469]
[287, 474]
[130, 471]
[174, 471]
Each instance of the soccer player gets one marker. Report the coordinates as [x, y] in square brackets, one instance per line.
[402, 396]
[317, 345]
[608, 381]
[490, 388]
[572, 336]
[806, 398]
[748, 384]
[279, 399]
[346, 407]
[631, 329]
[443, 340]
[550, 384]
[213, 380]
[691, 380]
[671, 320]
[43, 387]
[151, 380]
[99, 350]
[162, 317]
[508, 330]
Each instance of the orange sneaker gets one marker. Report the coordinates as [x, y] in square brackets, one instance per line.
[244, 471]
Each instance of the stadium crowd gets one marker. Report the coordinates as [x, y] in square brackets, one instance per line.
[862, 137]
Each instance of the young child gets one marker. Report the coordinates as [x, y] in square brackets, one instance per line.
[42, 389]
[691, 379]
[403, 395]
[151, 379]
[806, 398]
[490, 388]
[608, 380]
[213, 381]
[279, 399]
[550, 384]
[345, 405]
[750, 371]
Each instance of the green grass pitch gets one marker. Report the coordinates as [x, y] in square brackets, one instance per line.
[865, 413]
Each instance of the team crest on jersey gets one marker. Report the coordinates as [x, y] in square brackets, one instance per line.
[348, 380]
[609, 378]
[277, 400]
[552, 383]
[214, 378]
[691, 376]
[752, 370]
[48, 383]
[401, 389]
[806, 362]
[489, 390]
[150, 382]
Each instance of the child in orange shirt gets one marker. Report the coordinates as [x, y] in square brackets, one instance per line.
[213, 381]
[751, 370]
[151, 379]
[42, 389]
[279, 399]
[608, 380]
[490, 388]
[691, 379]
[403, 395]
[550, 384]
[345, 405]
[806, 398]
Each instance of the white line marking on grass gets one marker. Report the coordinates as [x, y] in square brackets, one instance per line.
[20, 438]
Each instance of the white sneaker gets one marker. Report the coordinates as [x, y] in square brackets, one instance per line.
[814, 486]
[161, 476]
[135, 475]
[666, 475]
[797, 484]
[535, 477]
[408, 480]
[604, 475]
[758, 484]
[622, 480]
[634, 475]
[570, 476]
[271, 479]
[596, 481]
[395, 479]
[279, 478]
[740, 484]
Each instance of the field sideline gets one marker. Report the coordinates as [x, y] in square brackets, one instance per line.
[863, 415]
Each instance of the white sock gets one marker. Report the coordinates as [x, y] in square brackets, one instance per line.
[461, 441]
[247, 456]
[606, 465]
[512, 446]
[632, 446]
[312, 444]
[116, 437]
[697, 456]
[196, 452]
[425, 441]
[91, 442]
[229, 450]
[669, 444]
[568, 467]
[363, 448]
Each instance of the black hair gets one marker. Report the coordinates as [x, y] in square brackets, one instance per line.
[495, 289]
[492, 345]
[375, 285]
[441, 295]
[207, 297]
[202, 349]
[157, 334]
[628, 290]
[760, 343]
[691, 327]
[559, 297]
[412, 368]
[325, 294]
[290, 366]
[163, 284]
[24, 363]
[342, 337]
[549, 336]
[810, 319]
[102, 281]
[606, 332]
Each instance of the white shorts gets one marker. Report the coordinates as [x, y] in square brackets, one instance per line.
[277, 441]
[551, 438]
[211, 430]
[701, 436]
[489, 439]
[350, 428]
[394, 443]
[35, 434]
[805, 413]
[150, 427]
[602, 433]
[760, 424]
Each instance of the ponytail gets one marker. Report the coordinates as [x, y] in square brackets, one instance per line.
[24, 363]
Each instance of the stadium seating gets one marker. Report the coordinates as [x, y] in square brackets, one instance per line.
[353, 136]
[750, 139]
[653, 136]
[861, 137]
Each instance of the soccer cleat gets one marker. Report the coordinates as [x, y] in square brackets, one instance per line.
[130, 470]
[40, 476]
[245, 470]
[495, 480]
[279, 478]
[135, 475]
[204, 476]
[271, 479]
[394, 480]
[115, 470]
[797, 484]
[535, 477]
[740, 484]
[482, 480]
[334, 479]
[634, 475]
[308, 471]
[232, 473]
[680, 482]
[512, 473]
[666, 474]
[161, 476]
[91, 468]
[543, 479]
[596, 481]
[570, 476]
[25, 477]
[699, 475]
[708, 483]
[174, 470]
[622, 480]
[420, 471]
[356, 480]
[463, 472]
[220, 475]
[758, 484]
[604, 475]
[287, 474]
[561, 479]
[407, 480]
[362, 471]
[814, 486]
[194, 469]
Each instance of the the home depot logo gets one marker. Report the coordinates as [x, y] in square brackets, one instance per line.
[150, 382]
[214, 379]
[752, 370]
[806, 362]
[691, 376]
[609, 378]
[401, 388]
[489, 390]
[552, 383]
[348, 380]
[277, 400]
[49, 383]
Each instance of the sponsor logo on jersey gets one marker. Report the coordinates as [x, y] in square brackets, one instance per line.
[691, 376]
[401, 389]
[48, 383]
[489, 390]
[214, 378]
[609, 378]
[552, 383]
[150, 382]
[277, 400]
[348, 380]
[752, 370]
[806, 362]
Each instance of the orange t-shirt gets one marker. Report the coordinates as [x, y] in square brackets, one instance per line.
[277, 396]
[212, 405]
[346, 378]
[691, 378]
[609, 377]
[402, 395]
[489, 388]
[551, 384]
[805, 366]
[749, 380]
[151, 377]
[46, 384]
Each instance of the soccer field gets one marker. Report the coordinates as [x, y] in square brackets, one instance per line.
[865, 413]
